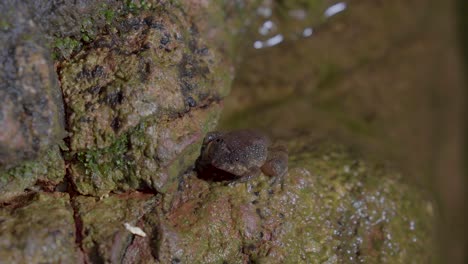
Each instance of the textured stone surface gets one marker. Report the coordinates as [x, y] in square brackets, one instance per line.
[102, 234]
[44, 173]
[333, 206]
[31, 113]
[148, 157]
[142, 82]
[38, 228]
[141, 94]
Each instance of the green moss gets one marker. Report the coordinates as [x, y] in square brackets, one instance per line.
[107, 13]
[137, 5]
[50, 167]
[39, 229]
[64, 47]
[4, 25]
[88, 31]
[100, 170]
[106, 161]
[31, 169]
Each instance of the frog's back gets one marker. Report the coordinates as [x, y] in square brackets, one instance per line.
[247, 147]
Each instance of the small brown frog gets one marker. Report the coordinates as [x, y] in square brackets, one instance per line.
[239, 156]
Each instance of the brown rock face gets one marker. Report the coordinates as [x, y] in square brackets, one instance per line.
[31, 112]
[351, 212]
[142, 83]
[141, 94]
[102, 233]
[38, 228]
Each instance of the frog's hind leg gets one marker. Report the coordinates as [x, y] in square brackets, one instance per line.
[276, 165]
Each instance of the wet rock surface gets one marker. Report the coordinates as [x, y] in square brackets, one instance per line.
[131, 73]
[102, 235]
[142, 83]
[31, 112]
[38, 228]
[332, 207]
[45, 173]
[140, 94]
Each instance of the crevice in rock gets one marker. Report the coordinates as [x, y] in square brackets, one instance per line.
[46, 186]
[205, 104]
[73, 193]
[68, 180]
[205, 101]
[145, 189]
[18, 201]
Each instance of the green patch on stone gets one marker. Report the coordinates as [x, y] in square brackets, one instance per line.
[88, 32]
[108, 160]
[4, 25]
[50, 167]
[64, 47]
[138, 5]
[89, 29]
[107, 13]
[113, 167]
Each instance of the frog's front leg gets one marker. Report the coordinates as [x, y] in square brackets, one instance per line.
[248, 175]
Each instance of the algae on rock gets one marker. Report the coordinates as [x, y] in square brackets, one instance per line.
[130, 71]
[38, 228]
[143, 82]
[43, 173]
[333, 206]
[142, 93]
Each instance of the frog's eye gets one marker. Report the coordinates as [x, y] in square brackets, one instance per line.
[211, 136]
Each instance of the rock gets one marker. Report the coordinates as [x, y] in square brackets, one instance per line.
[333, 206]
[38, 228]
[141, 94]
[103, 236]
[149, 156]
[31, 113]
[142, 82]
[130, 72]
[45, 173]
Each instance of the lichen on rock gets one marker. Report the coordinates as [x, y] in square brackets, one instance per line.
[31, 112]
[44, 174]
[103, 237]
[333, 206]
[138, 95]
[38, 228]
[142, 83]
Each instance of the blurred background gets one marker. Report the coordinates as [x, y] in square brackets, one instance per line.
[386, 77]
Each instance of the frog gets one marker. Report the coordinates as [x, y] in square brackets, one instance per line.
[240, 155]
